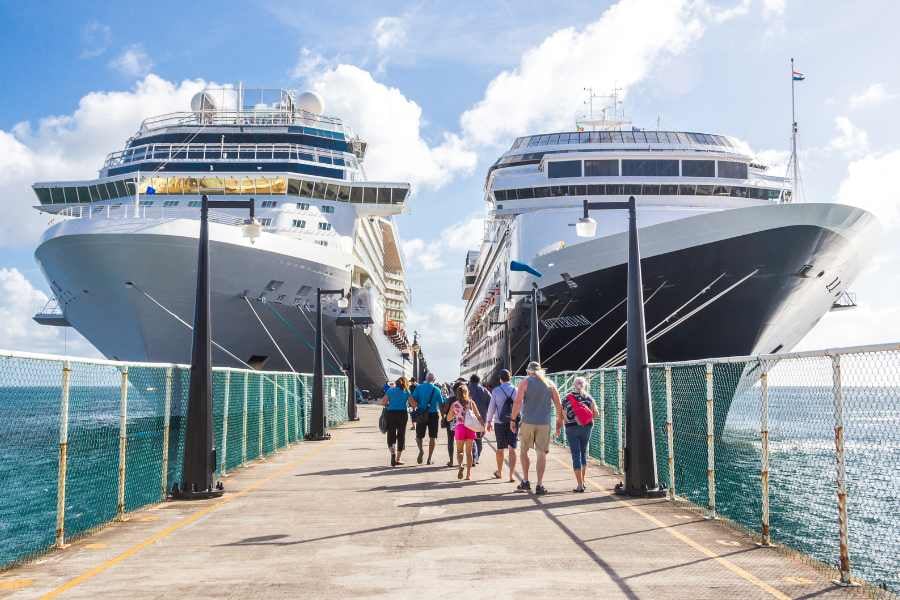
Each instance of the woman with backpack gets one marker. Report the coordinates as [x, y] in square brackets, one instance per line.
[580, 411]
[498, 417]
[468, 424]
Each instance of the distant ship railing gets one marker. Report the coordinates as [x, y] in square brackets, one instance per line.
[800, 449]
[266, 117]
[229, 153]
[157, 213]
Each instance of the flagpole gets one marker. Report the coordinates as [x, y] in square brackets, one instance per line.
[793, 136]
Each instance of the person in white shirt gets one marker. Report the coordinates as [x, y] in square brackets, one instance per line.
[498, 417]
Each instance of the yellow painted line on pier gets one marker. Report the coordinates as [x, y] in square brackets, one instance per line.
[742, 573]
[15, 584]
[191, 518]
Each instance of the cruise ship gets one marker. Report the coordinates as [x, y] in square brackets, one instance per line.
[731, 264]
[121, 253]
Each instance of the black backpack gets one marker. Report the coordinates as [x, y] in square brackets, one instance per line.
[506, 409]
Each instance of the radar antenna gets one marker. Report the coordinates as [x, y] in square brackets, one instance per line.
[610, 117]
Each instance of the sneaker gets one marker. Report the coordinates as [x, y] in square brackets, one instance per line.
[540, 490]
[578, 489]
[421, 456]
[393, 459]
[525, 486]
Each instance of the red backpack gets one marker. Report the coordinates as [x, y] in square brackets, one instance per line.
[583, 414]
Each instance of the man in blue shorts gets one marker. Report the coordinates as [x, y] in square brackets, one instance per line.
[498, 417]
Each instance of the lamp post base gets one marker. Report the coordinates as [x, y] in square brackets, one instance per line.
[317, 437]
[179, 494]
[659, 492]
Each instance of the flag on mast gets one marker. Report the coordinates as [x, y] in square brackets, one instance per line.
[798, 76]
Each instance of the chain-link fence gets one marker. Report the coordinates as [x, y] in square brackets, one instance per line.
[83, 442]
[801, 449]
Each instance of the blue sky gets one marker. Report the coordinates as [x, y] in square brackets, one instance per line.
[440, 90]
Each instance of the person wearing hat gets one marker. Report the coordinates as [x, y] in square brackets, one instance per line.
[534, 397]
[498, 419]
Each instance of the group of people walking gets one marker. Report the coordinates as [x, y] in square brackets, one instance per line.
[519, 416]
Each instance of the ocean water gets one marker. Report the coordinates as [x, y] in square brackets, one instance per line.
[803, 499]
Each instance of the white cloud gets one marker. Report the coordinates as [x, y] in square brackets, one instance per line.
[389, 33]
[873, 95]
[869, 184]
[418, 252]
[19, 301]
[132, 62]
[465, 235]
[850, 140]
[73, 146]
[95, 39]
[545, 90]
[391, 124]
[440, 329]
[454, 239]
[308, 63]
[773, 8]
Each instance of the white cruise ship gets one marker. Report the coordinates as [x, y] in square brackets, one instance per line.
[731, 266]
[121, 253]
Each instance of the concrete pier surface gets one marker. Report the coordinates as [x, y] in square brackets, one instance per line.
[333, 520]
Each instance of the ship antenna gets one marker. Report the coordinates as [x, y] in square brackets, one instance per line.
[793, 163]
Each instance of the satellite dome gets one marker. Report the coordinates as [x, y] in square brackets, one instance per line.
[311, 102]
[203, 101]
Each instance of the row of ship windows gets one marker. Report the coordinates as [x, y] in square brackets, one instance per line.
[622, 137]
[264, 204]
[647, 168]
[640, 190]
[220, 152]
[301, 224]
[221, 185]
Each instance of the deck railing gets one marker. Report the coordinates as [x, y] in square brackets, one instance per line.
[84, 442]
[802, 449]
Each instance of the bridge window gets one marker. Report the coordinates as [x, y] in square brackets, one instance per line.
[399, 195]
[698, 168]
[302, 206]
[299, 223]
[601, 168]
[293, 187]
[356, 195]
[268, 204]
[650, 168]
[564, 168]
[326, 209]
[732, 170]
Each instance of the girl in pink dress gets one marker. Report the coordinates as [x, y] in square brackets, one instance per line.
[463, 435]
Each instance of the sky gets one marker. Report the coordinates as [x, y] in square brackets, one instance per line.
[439, 90]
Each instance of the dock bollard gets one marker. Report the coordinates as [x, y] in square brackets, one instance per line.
[710, 443]
[63, 457]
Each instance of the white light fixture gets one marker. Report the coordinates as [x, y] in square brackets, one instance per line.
[343, 302]
[586, 227]
[367, 330]
[509, 304]
[252, 230]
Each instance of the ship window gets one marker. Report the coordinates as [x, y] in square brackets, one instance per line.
[305, 156]
[650, 190]
[601, 168]
[170, 203]
[306, 188]
[356, 194]
[330, 192]
[369, 195]
[57, 196]
[293, 187]
[281, 152]
[299, 223]
[564, 168]
[193, 152]
[211, 185]
[83, 194]
[303, 206]
[525, 193]
[705, 190]
[266, 221]
[698, 168]
[595, 190]
[641, 138]
[383, 195]
[500, 195]
[668, 190]
[732, 170]
[616, 137]
[246, 152]
[554, 139]
[399, 195]
[326, 209]
[773, 194]
[43, 195]
[322, 242]
[721, 190]
[194, 204]
[146, 202]
[319, 189]
[687, 190]
[101, 191]
[268, 204]
[541, 192]
[121, 192]
[738, 192]
[650, 168]
[325, 226]
[559, 190]
[614, 189]
[213, 152]
[278, 185]
[578, 190]
[343, 194]
[632, 190]
[628, 136]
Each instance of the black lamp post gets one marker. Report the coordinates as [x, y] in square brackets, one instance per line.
[199, 441]
[640, 449]
[317, 426]
[534, 340]
[415, 356]
[350, 323]
[508, 356]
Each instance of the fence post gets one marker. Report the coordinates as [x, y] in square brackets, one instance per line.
[764, 452]
[602, 408]
[710, 443]
[838, 394]
[287, 413]
[63, 457]
[123, 443]
[167, 418]
[225, 422]
[262, 415]
[296, 409]
[619, 419]
[670, 433]
[244, 422]
[274, 413]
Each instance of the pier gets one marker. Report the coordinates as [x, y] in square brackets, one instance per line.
[331, 520]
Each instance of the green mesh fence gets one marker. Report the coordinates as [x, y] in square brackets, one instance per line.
[113, 433]
[719, 411]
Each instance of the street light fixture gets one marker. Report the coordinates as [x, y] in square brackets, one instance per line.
[534, 341]
[640, 449]
[199, 442]
[350, 322]
[317, 425]
[415, 348]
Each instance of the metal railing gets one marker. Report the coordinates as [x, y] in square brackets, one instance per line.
[800, 449]
[231, 153]
[123, 212]
[243, 117]
[84, 442]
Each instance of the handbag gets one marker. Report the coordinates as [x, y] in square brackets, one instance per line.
[472, 422]
[583, 414]
[382, 420]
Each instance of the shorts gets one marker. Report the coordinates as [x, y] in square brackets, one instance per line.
[462, 433]
[535, 436]
[506, 438]
[431, 426]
